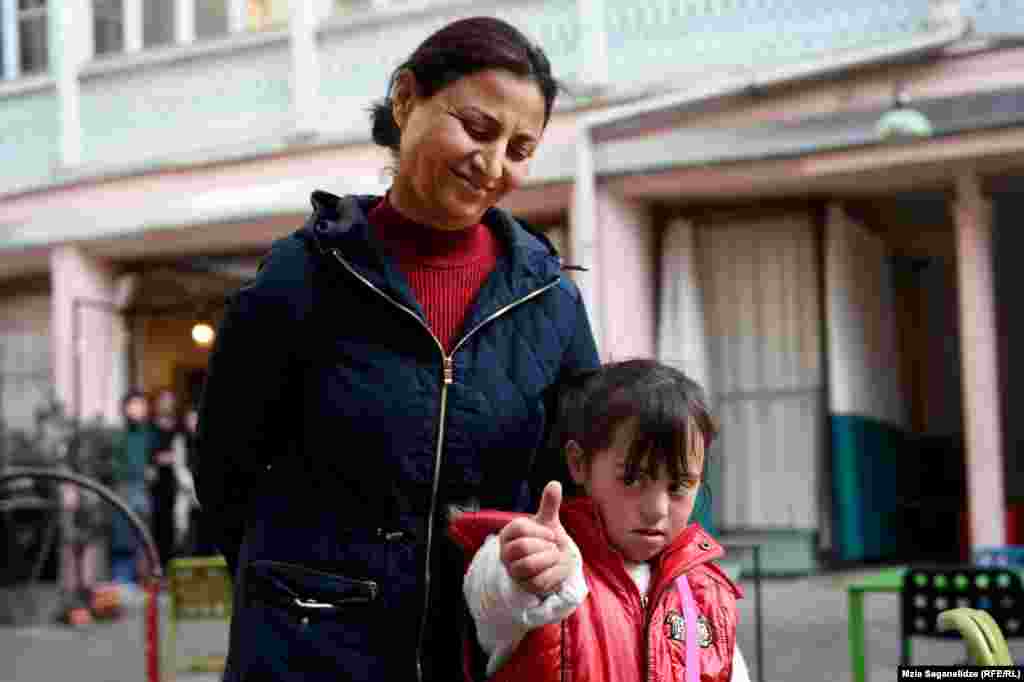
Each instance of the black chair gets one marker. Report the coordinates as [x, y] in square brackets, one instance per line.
[927, 591]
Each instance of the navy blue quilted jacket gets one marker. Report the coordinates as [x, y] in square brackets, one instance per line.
[336, 437]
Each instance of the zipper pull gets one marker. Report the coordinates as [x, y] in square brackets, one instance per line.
[449, 371]
[643, 601]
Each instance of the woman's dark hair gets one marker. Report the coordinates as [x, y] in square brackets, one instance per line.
[661, 403]
[460, 49]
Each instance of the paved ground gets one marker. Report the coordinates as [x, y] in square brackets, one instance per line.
[805, 641]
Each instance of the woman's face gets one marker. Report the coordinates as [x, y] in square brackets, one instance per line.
[466, 147]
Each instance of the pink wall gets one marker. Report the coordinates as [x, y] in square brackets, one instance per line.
[76, 275]
[627, 277]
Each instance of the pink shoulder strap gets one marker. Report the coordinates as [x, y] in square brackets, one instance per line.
[690, 618]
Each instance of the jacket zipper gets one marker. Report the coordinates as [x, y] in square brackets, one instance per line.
[645, 602]
[367, 587]
[448, 377]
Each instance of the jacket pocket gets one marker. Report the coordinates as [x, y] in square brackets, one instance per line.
[306, 591]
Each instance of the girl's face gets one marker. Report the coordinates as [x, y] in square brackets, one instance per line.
[641, 517]
[463, 149]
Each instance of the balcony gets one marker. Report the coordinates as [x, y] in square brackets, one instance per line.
[207, 97]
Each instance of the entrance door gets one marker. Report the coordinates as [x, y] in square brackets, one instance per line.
[191, 383]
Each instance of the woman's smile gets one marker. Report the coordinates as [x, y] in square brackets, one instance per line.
[469, 184]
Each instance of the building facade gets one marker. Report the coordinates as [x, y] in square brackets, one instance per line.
[798, 203]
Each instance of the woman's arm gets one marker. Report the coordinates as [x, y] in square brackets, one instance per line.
[246, 413]
[580, 354]
[504, 612]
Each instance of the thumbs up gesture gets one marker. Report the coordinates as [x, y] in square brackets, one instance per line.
[536, 550]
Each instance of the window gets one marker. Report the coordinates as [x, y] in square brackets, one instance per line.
[157, 22]
[350, 7]
[265, 14]
[211, 19]
[108, 26]
[32, 41]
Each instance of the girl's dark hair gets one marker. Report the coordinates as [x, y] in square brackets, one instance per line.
[663, 404]
[460, 49]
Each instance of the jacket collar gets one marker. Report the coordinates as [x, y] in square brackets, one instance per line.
[694, 546]
[527, 263]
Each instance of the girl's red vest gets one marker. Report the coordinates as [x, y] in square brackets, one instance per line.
[616, 635]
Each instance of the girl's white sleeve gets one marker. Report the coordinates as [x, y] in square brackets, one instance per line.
[504, 612]
[739, 667]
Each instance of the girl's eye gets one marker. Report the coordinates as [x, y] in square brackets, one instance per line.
[634, 482]
[681, 487]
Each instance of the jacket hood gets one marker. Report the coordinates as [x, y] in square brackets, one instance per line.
[342, 223]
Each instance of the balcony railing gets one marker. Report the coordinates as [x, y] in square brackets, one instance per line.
[272, 75]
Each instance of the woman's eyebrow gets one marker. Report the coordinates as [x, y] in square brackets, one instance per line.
[491, 120]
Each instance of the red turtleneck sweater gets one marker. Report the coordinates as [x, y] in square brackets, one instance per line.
[445, 268]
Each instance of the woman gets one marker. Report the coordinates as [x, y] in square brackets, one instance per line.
[390, 364]
[197, 542]
[163, 486]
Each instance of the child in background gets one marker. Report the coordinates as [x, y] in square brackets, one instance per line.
[615, 585]
[130, 474]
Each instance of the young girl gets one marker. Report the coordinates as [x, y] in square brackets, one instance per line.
[634, 435]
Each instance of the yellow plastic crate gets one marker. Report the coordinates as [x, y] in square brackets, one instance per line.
[199, 589]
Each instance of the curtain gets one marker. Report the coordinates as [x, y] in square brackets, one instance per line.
[681, 340]
[762, 317]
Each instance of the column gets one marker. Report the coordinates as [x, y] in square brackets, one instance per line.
[124, 290]
[85, 30]
[11, 38]
[238, 16]
[986, 498]
[583, 232]
[594, 43]
[184, 22]
[627, 260]
[83, 332]
[305, 67]
[66, 53]
[131, 24]
[682, 341]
